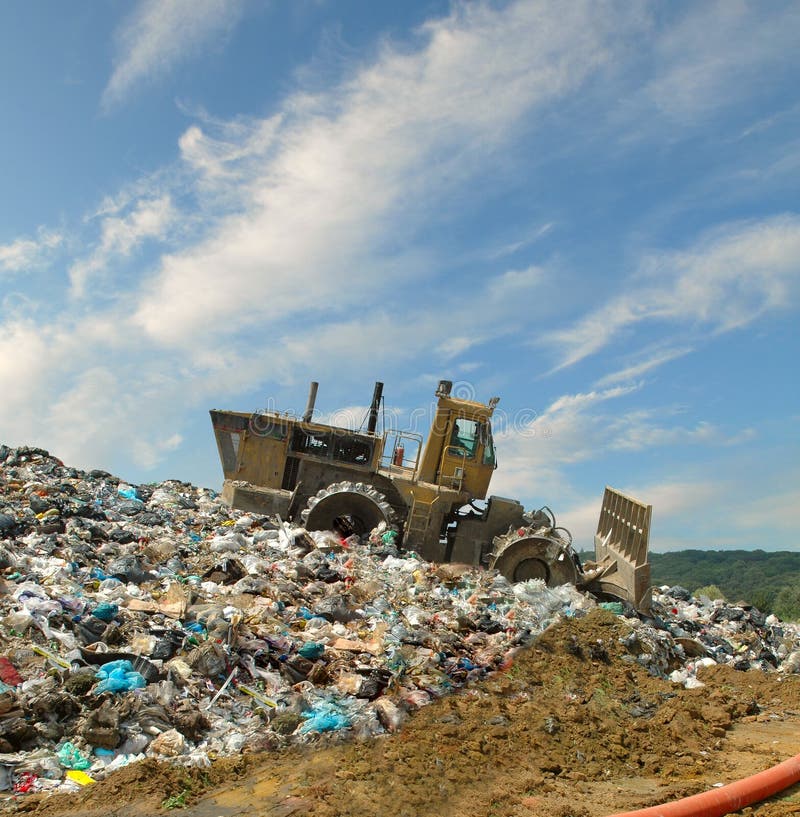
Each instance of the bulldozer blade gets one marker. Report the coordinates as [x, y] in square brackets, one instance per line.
[621, 545]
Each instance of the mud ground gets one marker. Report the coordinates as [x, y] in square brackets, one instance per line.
[569, 730]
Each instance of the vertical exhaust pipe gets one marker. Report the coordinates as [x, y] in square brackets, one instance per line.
[312, 399]
[373, 409]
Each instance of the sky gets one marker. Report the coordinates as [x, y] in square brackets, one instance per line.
[589, 209]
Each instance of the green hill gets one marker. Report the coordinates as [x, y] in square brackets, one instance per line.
[769, 581]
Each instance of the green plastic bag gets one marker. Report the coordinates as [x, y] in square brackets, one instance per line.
[70, 758]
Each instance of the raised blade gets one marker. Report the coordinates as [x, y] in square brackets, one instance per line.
[621, 550]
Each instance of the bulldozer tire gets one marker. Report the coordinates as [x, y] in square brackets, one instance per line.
[347, 508]
[522, 556]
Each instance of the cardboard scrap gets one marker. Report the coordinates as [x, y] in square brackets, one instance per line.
[356, 645]
[174, 602]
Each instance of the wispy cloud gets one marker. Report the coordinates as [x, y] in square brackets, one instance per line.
[769, 122]
[528, 239]
[539, 449]
[649, 364]
[337, 181]
[714, 53]
[159, 34]
[671, 501]
[727, 280]
[28, 253]
[120, 235]
[433, 330]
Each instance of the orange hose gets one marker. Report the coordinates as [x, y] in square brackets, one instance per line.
[735, 796]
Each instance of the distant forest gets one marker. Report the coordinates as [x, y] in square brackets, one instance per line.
[768, 581]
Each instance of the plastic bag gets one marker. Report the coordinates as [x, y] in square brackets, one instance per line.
[105, 611]
[119, 676]
[70, 758]
[324, 717]
[312, 650]
[168, 744]
[127, 492]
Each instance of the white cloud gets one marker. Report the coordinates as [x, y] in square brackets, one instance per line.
[726, 281]
[226, 157]
[636, 370]
[707, 59]
[149, 219]
[150, 453]
[337, 181]
[779, 511]
[433, 329]
[537, 451]
[83, 388]
[635, 432]
[719, 511]
[525, 241]
[90, 420]
[23, 364]
[159, 34]
[27, 253]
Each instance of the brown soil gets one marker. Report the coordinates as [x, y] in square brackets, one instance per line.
[570, 730]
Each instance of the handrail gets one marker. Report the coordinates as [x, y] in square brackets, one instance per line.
[458, 482]
[387, 459]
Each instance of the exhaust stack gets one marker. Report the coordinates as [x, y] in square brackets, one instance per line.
[373, 409]
[312, 399]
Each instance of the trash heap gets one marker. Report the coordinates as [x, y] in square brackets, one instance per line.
[691, 633]
[155, 621]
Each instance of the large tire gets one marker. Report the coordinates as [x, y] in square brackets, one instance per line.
[347, 508]
[520, 556]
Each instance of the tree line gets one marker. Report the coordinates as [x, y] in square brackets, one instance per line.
[769, 581]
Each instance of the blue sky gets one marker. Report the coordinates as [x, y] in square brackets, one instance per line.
[589, 209]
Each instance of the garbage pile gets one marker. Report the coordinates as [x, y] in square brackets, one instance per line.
[155, 621]
[701, 632]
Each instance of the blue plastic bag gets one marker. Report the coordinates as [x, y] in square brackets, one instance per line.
[128, 493]
[118, 676]
[324, 717]
[312, 650]
[194, 627]
[105, 611]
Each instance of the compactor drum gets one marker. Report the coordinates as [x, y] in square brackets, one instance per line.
[347, 508]
[525, 554]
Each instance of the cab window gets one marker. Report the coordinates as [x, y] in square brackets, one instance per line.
[488, 446]
[463, 438]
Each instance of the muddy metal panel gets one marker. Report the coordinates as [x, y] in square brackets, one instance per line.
[621, 547]
[251, 449]
[253, 499]
[474, 535]
[256, 448]
[312, 476]
[228, 430]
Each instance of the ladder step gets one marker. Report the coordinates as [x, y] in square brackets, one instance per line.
[420, 517]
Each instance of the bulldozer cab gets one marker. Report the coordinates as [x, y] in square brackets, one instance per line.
[459, 453]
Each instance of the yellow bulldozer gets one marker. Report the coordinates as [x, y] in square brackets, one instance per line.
[333, 478]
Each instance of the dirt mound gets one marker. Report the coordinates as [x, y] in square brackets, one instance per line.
[572, 727]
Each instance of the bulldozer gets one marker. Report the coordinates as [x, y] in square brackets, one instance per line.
[328, 477]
